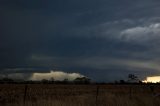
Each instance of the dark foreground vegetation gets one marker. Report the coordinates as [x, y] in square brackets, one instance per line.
[79, 95]
[81, 80]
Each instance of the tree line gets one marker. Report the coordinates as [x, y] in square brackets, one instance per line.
[132, 79]
[79, 80]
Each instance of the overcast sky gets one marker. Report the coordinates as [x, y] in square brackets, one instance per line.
[103, 39]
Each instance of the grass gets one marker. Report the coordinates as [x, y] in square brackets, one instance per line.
[77, 95]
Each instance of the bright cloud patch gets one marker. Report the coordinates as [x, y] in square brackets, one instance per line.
[57, 75]
[153, 79]
[141, 33]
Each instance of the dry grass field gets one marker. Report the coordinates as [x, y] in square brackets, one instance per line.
[77, 95]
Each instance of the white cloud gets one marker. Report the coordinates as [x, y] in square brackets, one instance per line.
[57, 75]
[141, 33]
[153, 79]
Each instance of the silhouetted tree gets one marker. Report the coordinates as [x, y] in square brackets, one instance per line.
[133, 78]
[82, 80]
[7, 80]
[65, 81]
[52, 80]
[44, 81]
[122, 82]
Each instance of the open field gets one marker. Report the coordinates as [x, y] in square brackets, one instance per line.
[78, 95]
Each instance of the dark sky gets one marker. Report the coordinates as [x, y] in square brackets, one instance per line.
[102, 39]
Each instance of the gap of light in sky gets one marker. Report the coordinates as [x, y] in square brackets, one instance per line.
[153, 79]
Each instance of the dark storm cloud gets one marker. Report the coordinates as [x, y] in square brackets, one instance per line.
[88, 36]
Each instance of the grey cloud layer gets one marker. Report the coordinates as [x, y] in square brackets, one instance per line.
[74, 35]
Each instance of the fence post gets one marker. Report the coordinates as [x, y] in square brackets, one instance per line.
[130, 92]
[25, 93]
[97, 92]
